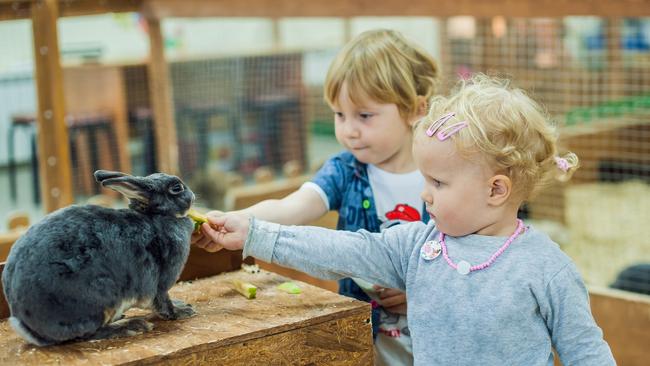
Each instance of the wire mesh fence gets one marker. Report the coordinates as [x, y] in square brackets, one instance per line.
[237, 112]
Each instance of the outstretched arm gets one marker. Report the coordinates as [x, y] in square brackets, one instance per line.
[298, 208]
[380, 258]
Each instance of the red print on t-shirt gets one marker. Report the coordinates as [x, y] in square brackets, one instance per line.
[403, 212]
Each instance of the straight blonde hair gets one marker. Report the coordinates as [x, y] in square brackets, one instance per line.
[383, 66]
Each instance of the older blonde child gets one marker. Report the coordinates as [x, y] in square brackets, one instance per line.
[482, 287]
[378, 87]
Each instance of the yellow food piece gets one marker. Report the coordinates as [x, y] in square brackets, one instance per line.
[247, 289]
[197, 217]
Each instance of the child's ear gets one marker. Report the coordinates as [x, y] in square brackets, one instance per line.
[500, 190]
[422, 109]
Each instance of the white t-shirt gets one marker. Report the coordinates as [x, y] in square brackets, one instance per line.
[391, 189]
[397, 199]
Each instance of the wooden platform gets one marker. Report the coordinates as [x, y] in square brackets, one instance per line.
[314, 327]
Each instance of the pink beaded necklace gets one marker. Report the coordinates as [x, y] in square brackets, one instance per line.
[463, 267]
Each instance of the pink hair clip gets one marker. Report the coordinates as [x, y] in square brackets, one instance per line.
[446, 132]
[562, 164]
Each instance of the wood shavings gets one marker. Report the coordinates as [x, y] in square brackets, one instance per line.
[250, 268]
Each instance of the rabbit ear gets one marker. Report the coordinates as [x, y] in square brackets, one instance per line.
[102, 175]
[131, 187]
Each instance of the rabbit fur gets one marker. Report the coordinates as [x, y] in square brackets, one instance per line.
[73, 274]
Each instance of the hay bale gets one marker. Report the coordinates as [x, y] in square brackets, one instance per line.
[609, 228]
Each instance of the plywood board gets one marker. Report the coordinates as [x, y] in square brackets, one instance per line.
[314, 327]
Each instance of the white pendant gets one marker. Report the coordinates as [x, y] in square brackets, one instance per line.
[430, 250]
[463, 267]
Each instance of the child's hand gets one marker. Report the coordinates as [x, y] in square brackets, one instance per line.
[392, 300]
[224, 231]
[201, 240]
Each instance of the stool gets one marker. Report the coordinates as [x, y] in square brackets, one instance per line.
[23, 121]
[90, 125]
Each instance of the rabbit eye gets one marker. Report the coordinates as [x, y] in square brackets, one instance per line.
[176, 188]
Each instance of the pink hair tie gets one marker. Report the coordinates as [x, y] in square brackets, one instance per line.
[562, 164]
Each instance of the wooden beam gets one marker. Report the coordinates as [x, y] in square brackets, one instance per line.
[15, 10]
[161, 102]
[90, 7]
[350, 8]
[53, 147]
[21, 9]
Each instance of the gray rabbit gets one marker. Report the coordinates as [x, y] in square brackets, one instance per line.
[73, 274]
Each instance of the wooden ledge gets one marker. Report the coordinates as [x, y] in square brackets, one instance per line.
[316, 326]
[624, 318]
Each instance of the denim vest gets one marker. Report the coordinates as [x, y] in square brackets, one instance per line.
[345, 182]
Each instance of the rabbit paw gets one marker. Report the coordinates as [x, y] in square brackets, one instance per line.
[122, 328]
[172, 309]
[182, 310]
[138, 325]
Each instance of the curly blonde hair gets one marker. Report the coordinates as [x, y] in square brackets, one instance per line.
[385, 67]
[508, 129]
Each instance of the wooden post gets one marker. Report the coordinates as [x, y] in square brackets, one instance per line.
[161, 101]
[54, 150]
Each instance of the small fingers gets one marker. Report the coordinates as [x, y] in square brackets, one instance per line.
[203, 242]
[196, 237]
[213, 247]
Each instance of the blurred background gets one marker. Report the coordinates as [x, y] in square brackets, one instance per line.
[230, 102]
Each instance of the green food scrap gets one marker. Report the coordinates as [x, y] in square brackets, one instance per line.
[247, 289]
[290, 288]
[198, 219]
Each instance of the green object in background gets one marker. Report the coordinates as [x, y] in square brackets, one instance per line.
[290, 288]
[366, 203]
[322, 127]
[612, 108]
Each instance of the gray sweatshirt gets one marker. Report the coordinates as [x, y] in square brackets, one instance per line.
[530, 299]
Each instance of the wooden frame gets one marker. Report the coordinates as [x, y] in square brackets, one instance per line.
[16, 9]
